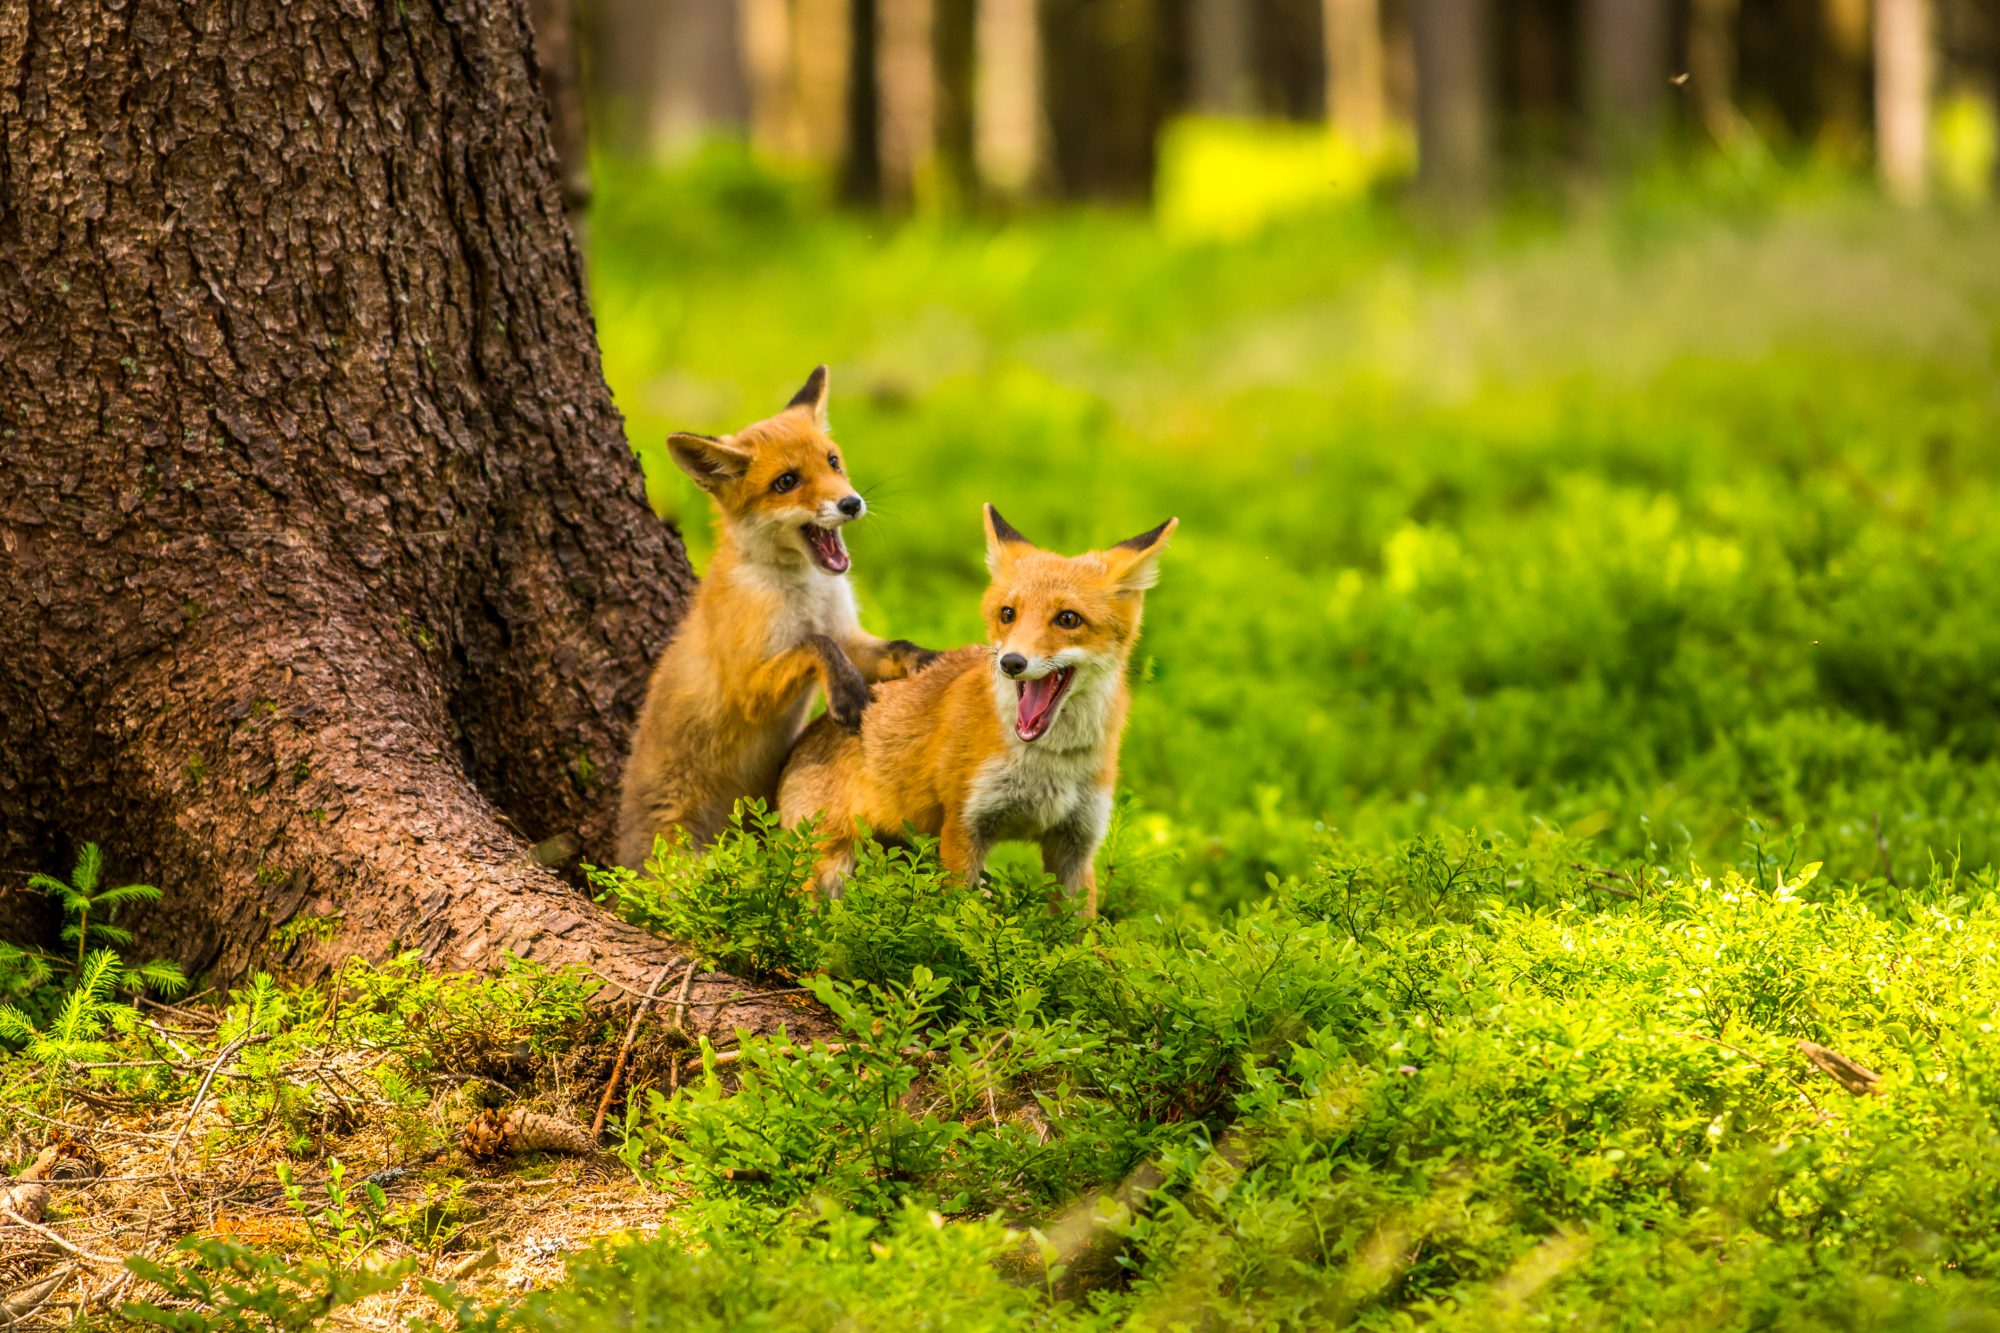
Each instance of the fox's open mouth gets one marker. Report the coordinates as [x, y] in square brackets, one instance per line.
[828, 551]
[1037, 700]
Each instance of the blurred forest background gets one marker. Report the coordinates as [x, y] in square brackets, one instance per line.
[954, 105]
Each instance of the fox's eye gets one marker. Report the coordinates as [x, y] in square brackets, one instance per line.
[1006, 615]
[787, 481]
[833, 461]
[1069, 619]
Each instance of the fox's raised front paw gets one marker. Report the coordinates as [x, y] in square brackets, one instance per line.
[847, 700]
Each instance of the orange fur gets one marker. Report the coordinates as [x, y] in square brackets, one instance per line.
[770, 624]
[944, 752]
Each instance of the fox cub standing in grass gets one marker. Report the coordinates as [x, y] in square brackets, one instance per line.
[774, 618]
[1016, 740]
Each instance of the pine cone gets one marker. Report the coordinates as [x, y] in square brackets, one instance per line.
[492, 1134]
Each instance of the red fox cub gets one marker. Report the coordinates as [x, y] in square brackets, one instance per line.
[1017, 740]
[773, 619]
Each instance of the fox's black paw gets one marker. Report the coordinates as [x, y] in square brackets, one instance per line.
[847, 701]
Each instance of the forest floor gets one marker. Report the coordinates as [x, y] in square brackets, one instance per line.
[346, 1148]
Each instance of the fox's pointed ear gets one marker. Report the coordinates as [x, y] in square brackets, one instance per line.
[1135, 562]
[812, 397]
[1003, 543]
[711, 462]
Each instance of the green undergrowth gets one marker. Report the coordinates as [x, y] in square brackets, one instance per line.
[1468, 1083]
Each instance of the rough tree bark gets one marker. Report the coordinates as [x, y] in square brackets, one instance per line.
[330, 584]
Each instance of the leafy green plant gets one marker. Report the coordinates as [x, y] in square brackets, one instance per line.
[86, 1016]
[218, 1286]
[743, 904]
[348, 1225]
[92, 911]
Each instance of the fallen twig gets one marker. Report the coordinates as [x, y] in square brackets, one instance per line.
[249, 1038]
[1608, 880]
[18, 1305]
[1811, 1100]
[53, 1239]
[625, 1048]
[681, 1000]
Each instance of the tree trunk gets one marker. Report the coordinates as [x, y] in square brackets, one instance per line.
[1624, 73]
[798, 62]
[953, 48]
[1454, 129]
[1101, 62]
[668, 73]
[1712, 66]
[1010, 134]
[331, 584]
[1903, 72]
[1221, 47]
[906, 96]
[1356, 97]
[1840, 74]
[861, 155]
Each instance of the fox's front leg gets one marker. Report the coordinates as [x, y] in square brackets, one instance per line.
[836, 863]
[963, 851]
[887, 659]
[817, 657]
[1069, 850]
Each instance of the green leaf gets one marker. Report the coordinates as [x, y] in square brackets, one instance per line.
[89, 864]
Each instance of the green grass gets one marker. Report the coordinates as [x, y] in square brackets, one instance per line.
[1447, 1087]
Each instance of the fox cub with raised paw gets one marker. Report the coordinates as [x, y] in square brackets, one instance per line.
[773, 620]
[1015, 740]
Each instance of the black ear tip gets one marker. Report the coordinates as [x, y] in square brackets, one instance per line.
[1002, 529]
[814, 391]
[1145, 540]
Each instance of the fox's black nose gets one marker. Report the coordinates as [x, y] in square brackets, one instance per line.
[1013, 664]
[850, 505]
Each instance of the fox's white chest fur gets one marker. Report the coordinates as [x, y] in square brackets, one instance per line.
[1032, 787]
[805, 602]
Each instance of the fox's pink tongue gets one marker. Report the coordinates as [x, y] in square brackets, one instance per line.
[827, 546]
[1037, 702]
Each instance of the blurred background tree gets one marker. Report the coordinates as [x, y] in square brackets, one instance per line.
[963, 105]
